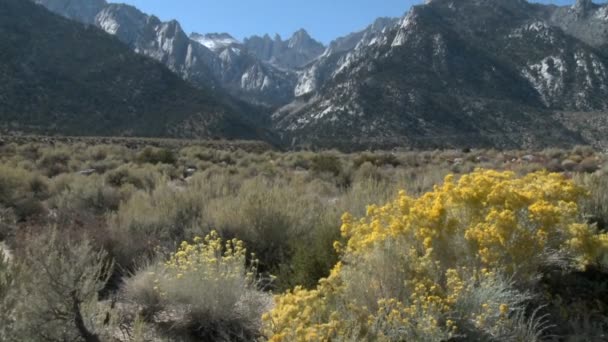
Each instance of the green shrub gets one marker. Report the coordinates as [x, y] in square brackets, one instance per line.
[368, 171]
[8, 223]
[56, 292]
[54, 162]
[156, 156]
[141, 177]
[588, 165]
[595, 206]
[28, 208]
[39, 187]
[148, 220]
[13, 184]
[78, 193]
[311, 256]
[29, 151]
[583, 151]
[266, 215]
[377, 159]
[326, 163]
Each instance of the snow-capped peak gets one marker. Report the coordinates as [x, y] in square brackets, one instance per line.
[214, 41]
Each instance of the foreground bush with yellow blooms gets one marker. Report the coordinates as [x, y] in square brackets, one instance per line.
[460, 262]
[205, 289]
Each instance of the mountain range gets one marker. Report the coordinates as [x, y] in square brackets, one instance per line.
[450, 73]
[60, 77]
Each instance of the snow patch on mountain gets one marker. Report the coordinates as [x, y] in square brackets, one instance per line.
[547, 77]
[539, 29]
[307, 82]
[214, 41]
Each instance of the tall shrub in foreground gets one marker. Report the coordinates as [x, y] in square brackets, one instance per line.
[454, 263]
[54, 290]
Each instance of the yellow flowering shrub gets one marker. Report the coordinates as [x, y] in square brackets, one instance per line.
[209, 258]
[205, 286]
[443, 264]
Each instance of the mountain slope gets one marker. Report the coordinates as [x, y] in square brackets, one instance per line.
[79, 10]
[58, 76]
[585, 20]
[164, 41]
[244, 75]
[451, 73]
[239, 72]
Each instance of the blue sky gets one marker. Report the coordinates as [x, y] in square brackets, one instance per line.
[323, 19]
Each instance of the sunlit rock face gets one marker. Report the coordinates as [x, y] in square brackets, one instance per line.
[454, 66]
[81, 10]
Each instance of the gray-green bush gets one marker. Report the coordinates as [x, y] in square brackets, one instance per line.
[56, 292]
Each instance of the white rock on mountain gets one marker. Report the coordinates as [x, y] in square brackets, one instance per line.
[295, 52]
[215, 41]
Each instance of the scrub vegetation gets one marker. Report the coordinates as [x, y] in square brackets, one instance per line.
[159, 240]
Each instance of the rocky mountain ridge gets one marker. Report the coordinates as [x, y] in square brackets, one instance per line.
[194, 57]
[60, 77]
[448, 73]
[293, 53]
[454, 73]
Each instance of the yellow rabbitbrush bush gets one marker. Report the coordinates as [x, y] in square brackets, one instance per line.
[206, 287]
[451, 263]
[487, 219]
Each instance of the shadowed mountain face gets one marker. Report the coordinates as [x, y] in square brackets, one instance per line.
[58, 76]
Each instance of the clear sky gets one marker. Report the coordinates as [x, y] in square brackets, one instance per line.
[325, 20]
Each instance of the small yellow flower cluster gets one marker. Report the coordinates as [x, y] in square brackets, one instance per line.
[208, 257]
[464, 234]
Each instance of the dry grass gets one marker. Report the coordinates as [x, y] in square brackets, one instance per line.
[138, 199]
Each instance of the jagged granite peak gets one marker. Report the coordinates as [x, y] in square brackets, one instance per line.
[452, 3]
[299, 50]
[300, 39]
[189, 57]
[81, 10]
[382, 23]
